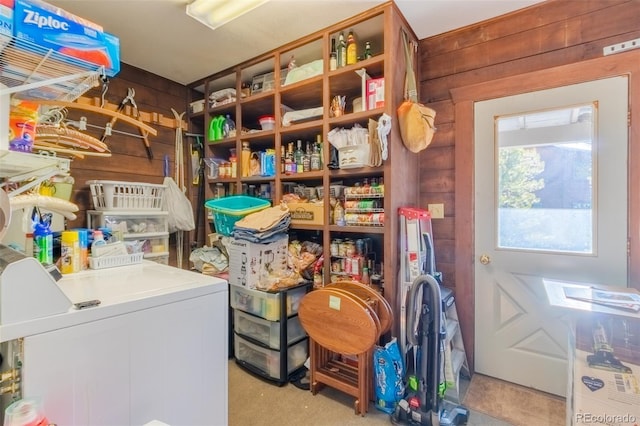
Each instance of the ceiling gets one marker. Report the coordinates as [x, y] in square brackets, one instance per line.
[158, 36]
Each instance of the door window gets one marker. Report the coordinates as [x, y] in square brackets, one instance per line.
[546, 170]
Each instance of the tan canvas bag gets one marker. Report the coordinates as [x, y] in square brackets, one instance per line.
[416, 121]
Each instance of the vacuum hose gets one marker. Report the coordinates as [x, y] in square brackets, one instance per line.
[430, 351]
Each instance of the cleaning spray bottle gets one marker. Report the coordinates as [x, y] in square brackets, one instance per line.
[43, 240]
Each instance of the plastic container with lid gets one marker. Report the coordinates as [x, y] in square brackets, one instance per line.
[267, 122]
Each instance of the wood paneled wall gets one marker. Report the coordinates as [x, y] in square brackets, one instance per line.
[129, 160]
[546, 35]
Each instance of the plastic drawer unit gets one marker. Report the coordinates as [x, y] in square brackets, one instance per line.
[263, 304]
[266, 332]
[132, 222]
[269, 340]
[267, 362]
[149, 228]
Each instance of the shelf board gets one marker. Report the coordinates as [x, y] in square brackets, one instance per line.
[373, 65]
[357, 229]
[257, 135]
[224, 109]
[257, 179]
[356, 117]
[311, 124]
[307, 227]
[362, 171]
[316, 174]
[224, 143]
[222, 180]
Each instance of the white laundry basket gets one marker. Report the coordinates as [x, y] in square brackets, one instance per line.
[118, 195]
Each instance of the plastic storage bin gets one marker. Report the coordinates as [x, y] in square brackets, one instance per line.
[131, 224]
[263, 304]
[268, 360]
[117, 195]
[264, 331]
[228, 210]
[114, 261]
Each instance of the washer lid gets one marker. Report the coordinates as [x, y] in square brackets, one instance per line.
[5, 213]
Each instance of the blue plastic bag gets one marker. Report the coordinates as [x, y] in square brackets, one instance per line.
[388, 376]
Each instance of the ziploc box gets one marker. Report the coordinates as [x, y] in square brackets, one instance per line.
[252, 264]
[6, 17]
[53, 28]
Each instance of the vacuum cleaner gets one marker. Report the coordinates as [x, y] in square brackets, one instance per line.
[426, 334]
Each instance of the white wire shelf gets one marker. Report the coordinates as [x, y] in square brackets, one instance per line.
[34, 168]
[30, 71]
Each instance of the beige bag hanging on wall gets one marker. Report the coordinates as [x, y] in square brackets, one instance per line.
[416, 121]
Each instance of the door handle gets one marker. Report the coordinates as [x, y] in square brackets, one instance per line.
[485, 259]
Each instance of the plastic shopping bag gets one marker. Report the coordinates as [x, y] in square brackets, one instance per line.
[388, 376]
[179, 207]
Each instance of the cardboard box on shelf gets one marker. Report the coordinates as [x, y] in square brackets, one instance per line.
[253, 263]
[6, 17]
[306, 213]
[375, 93]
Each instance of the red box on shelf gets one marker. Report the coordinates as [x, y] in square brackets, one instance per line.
[375, 93]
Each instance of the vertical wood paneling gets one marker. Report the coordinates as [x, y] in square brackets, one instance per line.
[545, 36]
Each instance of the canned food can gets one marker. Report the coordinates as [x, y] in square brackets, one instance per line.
[335, 247]
[350, 249]
[346, 266]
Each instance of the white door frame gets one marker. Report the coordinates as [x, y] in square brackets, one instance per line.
[626, 63]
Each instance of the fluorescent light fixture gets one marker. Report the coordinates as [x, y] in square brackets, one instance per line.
[215, 13]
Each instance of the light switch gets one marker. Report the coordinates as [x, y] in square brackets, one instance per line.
[436, 210]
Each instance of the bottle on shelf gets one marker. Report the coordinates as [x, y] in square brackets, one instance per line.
[367, 50]
[333, 56]
[352, 49]
[315, 162]
[306, 159]
[290, 165]
[338, 214]
[98, 239]
[246, 159]
[228, 127]
[283, 155]
[365, 279]
[234, 163]
[298, 157]
[342, 51]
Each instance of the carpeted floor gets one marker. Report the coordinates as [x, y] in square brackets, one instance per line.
[256, 402]
[514, 404]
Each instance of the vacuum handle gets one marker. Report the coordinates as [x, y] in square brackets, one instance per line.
[412, 337]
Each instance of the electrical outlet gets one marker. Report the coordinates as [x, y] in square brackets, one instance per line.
[436, 210]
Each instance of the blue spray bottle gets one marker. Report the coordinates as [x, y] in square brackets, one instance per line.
[43, 240]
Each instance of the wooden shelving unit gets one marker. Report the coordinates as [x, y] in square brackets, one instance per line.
[381, 26]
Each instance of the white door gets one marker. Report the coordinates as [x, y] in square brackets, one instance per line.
[550, 202]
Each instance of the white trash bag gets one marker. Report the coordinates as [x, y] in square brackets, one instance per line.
[179, 207]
